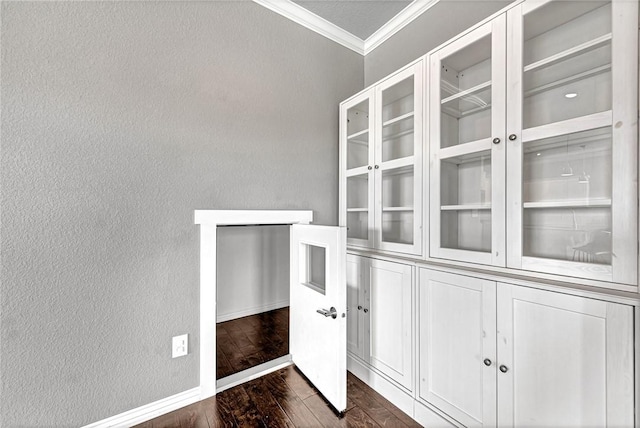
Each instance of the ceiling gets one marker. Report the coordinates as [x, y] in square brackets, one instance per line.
[361, 18]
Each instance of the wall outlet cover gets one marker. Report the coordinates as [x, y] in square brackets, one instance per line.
[179, 346]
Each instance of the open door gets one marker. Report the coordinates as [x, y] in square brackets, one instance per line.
[318, 308]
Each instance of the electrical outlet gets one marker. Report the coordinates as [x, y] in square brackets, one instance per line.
[179, 346]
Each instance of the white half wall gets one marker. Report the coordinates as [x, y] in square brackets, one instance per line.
[253, 270]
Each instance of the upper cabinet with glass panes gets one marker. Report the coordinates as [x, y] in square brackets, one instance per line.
[533, 131]
[381, 164]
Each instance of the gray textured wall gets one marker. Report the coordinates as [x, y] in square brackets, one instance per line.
[118, 120]
[440, 23]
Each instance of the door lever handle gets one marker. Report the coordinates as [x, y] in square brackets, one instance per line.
[328, 313]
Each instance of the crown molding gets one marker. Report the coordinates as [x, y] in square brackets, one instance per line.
[313, 22]
[397, 23]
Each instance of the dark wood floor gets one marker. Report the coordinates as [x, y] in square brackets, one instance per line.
[249, 341]
[284, 398]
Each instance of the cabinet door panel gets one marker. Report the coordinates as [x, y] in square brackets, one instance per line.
[565, 357]
[572, 163]
[390, 320]
[398, 154]
[467, 146]
[356, 169]
[457, 325]
[355, 286]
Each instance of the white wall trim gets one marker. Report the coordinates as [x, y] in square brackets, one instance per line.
[209, 220]
[252, 311]
[150, 411]
[397, 23]
[313, 22]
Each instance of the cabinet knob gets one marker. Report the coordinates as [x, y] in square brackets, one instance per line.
[369, 168]
[487, 362]
[496, 140]
[504, 368]
[359, 307]
[377, 167]
[512, 137]
[366, 310]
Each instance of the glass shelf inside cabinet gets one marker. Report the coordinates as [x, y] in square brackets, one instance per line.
[465, 94]
[567, 192]
[398, 120]
[358, 135]
[397, 205]
[465, 195]
[358, 206]
[567, 61]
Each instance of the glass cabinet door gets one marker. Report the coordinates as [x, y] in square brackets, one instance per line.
[467, 108]
[572, 146]
[398, 161]
[357, 162]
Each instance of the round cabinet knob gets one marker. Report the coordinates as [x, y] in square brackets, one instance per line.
[504, 368]
[377, 167]
[359, 307]
[496, 140]
[512, 137]
[366, 310]
[369, 168]
[487, 362]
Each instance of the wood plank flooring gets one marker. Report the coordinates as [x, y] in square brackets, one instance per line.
[249, 341]
[284, 398]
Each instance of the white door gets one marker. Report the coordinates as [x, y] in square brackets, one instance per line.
[318, 307]
[457, 346]
[563, 360]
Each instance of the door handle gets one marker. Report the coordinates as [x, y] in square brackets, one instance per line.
[328, 313]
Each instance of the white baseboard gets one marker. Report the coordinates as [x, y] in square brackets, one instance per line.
[251, 311]
[149, 411]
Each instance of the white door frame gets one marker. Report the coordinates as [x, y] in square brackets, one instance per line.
[209, 220]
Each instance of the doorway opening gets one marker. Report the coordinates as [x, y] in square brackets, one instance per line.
[252, 325]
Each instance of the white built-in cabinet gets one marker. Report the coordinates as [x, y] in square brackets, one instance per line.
[380, 316]
[533, 141]
[531, 177]
[381, 140]
[517, 356]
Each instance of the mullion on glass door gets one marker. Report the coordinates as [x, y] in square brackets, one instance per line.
[467, 114]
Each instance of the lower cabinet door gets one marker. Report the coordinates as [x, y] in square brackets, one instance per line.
[563, 360]
[457, 346]
[355, 304]
[390, 320]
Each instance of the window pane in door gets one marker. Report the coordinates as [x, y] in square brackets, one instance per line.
[358, 135]
[465, 94]
[567, 61]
